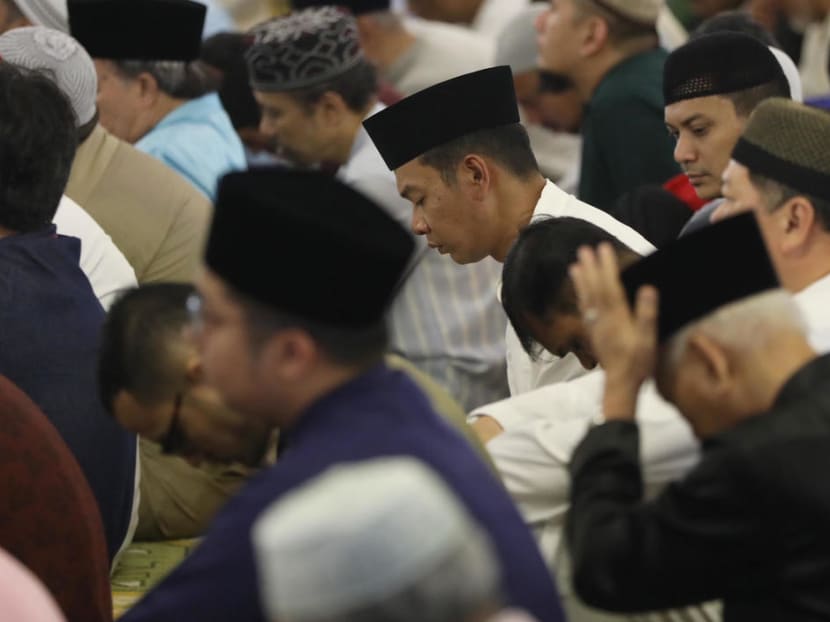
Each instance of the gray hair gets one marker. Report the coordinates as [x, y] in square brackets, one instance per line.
[466, 584]
[177, 79]
[746, 326]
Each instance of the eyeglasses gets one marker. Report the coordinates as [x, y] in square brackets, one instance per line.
[174, 441]
[194, 306]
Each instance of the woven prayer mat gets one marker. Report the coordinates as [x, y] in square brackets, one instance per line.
[143, 565]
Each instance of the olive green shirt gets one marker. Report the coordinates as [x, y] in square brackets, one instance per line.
[625, 142]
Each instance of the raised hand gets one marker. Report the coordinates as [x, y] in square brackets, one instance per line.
[624, 342]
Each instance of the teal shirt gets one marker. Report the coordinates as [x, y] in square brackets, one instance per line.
[625, 142]
[198, 141]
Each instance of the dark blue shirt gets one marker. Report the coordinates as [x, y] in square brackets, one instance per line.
[50, 324]
[381, 413]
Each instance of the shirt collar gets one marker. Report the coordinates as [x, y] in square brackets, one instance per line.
[336, 404]
[813, 374]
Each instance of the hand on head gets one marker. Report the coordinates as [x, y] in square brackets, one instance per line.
[624, 340]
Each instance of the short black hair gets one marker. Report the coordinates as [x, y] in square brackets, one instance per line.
[182, 80]
[357, 86]
[735, 21]
[509, 145]
[748, 100]
[353, 347]
[225, 51]
[775, 194]
[137, 338]
[535, 280]
[38, 140]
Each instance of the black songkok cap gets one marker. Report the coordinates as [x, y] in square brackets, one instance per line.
[303, 49]
[439, 114]
[717, 64]
[703, 271]
[151, 30]
[355, 7]
[305, 244]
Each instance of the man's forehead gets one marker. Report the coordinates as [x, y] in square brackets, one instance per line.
[212, 288]
[413, 176]
[712, 107]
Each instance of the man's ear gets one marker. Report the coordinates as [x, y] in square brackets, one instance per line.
[289, 354]
[718, 372]
[193, 371]
[331, 108]
[148, 89]
[797, 219]
[475, 176]
[595, 34]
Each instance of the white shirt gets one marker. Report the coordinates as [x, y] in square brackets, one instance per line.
[813, 65]
[814, 304]
[494, 14]
[523, 373]
[558, 155]
[104, 265]
[446, 320]
[541, 430]
[441, 52]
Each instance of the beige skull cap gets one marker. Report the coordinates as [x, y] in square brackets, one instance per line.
[641, 11]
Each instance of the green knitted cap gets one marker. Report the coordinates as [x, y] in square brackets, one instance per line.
[787, 142]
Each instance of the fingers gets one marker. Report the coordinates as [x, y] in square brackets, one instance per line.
[646, 312]
[596, 279]
[581, 275]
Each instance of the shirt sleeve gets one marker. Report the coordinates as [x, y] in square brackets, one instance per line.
[687, 546]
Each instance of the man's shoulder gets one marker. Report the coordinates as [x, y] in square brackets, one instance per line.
[635, 83]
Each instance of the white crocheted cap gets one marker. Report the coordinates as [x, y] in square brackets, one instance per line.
[791, 73]
[59, 57]
[641, 11]
[354, 536]
[49, 13]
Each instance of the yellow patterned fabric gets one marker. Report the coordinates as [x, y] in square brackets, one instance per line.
[143, 565]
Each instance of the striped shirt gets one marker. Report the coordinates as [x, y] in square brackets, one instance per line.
[446, 319]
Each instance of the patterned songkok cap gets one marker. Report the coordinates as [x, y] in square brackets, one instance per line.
[787, 142]
[303, 49]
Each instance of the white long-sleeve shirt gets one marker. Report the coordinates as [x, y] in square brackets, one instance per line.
[105, 266]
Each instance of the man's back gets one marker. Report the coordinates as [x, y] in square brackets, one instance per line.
[50, 520]
[379, 414]
[48, 347]
[155, 217]
[197, 139]
[625, 142]
[748, 525]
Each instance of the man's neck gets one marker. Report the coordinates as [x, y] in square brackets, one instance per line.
[4, 233]
[341, 150]
[813, 265]
[766, 373]
[164, 106]
[517, 199]
[312, 389]
[588, 78]
[390, 47]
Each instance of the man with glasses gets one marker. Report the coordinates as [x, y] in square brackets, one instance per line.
[299, 346]
[151, 380]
